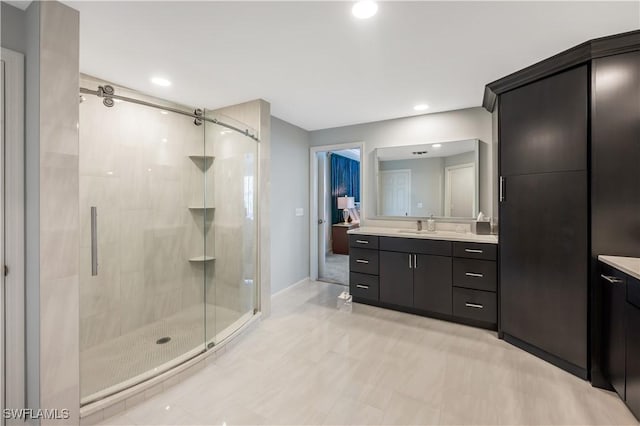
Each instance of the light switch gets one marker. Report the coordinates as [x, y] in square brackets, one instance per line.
[299, 211]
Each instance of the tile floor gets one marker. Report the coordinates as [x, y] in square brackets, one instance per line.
[311, 363]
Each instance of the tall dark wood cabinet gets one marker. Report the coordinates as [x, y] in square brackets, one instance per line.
[615, 178]
[544, 217]
[569, 161]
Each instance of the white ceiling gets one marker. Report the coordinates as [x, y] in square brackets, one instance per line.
[320, 67]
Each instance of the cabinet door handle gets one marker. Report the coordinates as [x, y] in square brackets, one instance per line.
[474, 274]
[410, 267]
[415, 261]
[612, 280]
[362, 241]
[502, 189]
[473, 251]
[362, 286]
[362, 261]
[473, 305]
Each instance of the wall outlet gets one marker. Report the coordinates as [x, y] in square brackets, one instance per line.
[299, 211]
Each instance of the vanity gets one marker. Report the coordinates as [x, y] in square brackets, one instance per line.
[445, 275]
[620, 283]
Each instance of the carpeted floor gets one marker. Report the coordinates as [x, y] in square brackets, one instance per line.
[336, 269]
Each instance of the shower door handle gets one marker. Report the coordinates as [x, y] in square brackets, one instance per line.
[94, 241]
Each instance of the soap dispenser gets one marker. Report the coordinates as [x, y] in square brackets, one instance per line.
[431, 224]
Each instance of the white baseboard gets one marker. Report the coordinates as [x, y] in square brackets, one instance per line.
[290, 287]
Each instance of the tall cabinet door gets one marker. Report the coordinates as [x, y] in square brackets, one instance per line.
[396, 278]
[543, 218]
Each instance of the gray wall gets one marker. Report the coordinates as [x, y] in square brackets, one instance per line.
[471, 123]
[13, 28]
[289, 190]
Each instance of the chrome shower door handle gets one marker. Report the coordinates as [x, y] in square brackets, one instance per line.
[94, 241]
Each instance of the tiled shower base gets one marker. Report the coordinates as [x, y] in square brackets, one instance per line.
[122, 362]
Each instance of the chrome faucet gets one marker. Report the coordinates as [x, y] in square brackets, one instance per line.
[419, 225]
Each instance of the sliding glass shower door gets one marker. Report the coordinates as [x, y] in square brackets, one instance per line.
[168, 238]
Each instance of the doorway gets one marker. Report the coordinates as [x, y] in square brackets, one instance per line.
[336, 194]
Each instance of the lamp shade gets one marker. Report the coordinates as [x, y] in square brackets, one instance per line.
[346, 202]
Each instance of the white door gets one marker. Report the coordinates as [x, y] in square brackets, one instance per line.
[460, 191]
[395, 192]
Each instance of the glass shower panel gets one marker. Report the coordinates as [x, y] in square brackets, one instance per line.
[144, 170]
[230, 290]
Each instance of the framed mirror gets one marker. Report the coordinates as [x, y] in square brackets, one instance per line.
[439, 179]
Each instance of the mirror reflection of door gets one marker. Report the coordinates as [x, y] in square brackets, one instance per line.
[396, 192]
[460, 190]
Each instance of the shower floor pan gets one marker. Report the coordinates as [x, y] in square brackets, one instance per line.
[124, 361]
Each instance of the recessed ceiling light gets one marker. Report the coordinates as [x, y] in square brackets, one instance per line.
[421, 107]
[161, 81]
[364, 9]
[436, 145]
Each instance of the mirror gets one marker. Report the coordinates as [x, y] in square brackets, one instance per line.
[439, 179]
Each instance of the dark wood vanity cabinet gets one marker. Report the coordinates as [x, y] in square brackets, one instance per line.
[614, 301]
[446, 279]
[620, 342]
[412, 279]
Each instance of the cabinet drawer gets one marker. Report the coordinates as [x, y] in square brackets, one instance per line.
[363, 286]
[633, 291]
[416, 245]
[363, 241]
[363, 260]
[476, 274]
[475, 250]
[475, 305]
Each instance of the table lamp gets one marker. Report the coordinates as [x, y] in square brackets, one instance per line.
[345, 203]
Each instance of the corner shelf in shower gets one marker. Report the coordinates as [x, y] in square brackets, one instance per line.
[202, 259]
[202, 161]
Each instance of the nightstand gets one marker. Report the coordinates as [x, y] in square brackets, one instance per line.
[339, 237]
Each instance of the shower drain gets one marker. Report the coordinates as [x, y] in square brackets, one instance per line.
[163, 340]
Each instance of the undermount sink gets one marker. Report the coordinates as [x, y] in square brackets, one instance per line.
[412, 231]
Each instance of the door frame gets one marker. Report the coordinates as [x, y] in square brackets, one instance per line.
[12, 227]
[447, 186]
[388, 172]
[313, 196]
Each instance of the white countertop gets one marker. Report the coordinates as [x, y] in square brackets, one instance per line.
[437, 235]
[628, 265]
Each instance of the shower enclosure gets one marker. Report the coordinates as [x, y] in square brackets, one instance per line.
[168, 235]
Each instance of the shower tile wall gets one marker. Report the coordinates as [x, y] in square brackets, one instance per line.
[135, 166]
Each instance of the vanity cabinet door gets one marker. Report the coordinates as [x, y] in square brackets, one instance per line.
[633, 359]
[432, 284]
[396, 278]
[614, 302]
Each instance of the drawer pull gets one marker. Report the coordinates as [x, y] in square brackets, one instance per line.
[362, 261]
[612, 280]
[474, 274]
[473, 251]
[362, 241]
[362, 286]
[473, 305]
